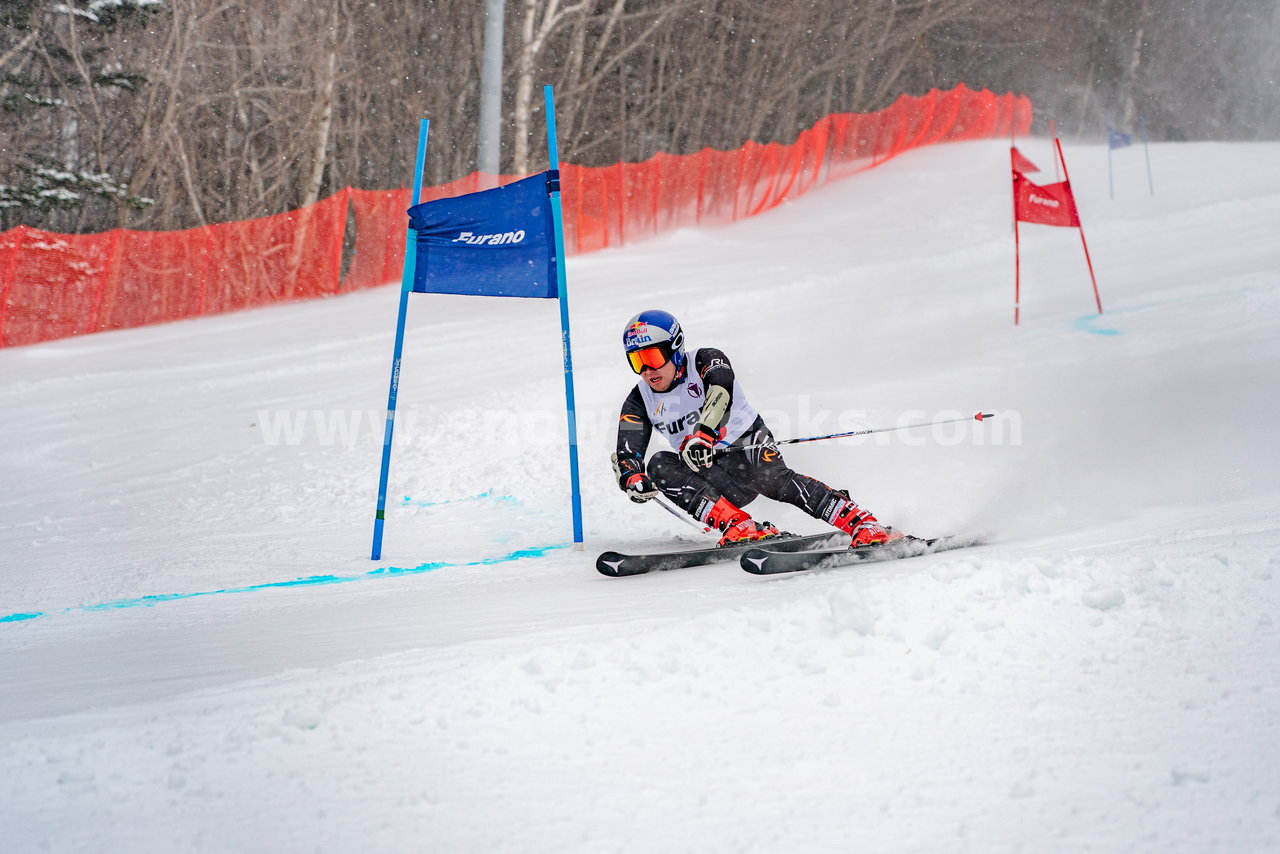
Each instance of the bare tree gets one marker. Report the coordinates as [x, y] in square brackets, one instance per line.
[223, 111]
[539, 20]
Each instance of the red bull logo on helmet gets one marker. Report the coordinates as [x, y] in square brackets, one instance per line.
[637, 334]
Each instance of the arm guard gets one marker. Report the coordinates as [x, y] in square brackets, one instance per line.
[717, 378]
[715, 412]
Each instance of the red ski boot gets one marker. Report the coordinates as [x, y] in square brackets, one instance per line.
[862, 526]
[737, 524]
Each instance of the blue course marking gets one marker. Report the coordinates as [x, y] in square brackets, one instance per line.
[1085, 324]
[16, 618]
[309, 581]
[409, 501]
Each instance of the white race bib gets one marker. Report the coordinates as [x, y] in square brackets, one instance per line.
[674, 413]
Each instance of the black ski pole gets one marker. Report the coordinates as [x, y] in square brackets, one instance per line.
[662, 502]
[981, 416]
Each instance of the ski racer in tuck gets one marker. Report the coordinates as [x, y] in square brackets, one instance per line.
[723, 455]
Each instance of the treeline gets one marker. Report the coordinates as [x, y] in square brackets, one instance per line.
[163, 114]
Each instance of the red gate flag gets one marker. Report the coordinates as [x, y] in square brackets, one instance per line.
[1051, 204]
[1021, 163]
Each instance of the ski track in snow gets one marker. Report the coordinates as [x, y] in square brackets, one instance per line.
[197, 655]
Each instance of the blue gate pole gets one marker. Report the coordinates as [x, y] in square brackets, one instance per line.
[563, 291]
[406, 287]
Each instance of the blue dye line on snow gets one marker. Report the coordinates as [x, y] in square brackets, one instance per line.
[310, 581]
[1085, 324]
[488, 494]
[15, 618]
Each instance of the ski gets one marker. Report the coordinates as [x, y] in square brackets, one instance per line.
[765, 560]
[617, 565]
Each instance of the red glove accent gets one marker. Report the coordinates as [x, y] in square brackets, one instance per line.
[698, 451]
[640, 488]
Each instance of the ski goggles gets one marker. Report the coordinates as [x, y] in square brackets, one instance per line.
[650, 357]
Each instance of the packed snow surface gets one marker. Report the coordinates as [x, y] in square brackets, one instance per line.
[196, 653]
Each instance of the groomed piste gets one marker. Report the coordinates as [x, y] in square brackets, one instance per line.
[181, 673]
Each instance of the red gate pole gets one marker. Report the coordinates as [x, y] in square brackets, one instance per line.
[1017, 247]
[1017, 273]
[1067, 178]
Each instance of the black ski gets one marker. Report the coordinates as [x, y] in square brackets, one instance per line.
[765, 560]
[616, 564]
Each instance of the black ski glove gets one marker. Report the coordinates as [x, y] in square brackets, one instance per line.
[632, 478]
[698, 451]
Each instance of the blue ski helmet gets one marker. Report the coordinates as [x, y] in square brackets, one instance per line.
[654, 329]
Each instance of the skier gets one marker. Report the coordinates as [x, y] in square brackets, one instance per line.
[723, 453]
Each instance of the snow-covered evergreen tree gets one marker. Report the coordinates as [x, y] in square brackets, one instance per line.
[58, 72]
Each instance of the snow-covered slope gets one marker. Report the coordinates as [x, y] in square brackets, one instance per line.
[197, 655]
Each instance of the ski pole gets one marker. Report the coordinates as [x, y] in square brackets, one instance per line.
[662, 502]
[981, 416]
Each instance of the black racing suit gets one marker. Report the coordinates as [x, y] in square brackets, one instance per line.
[751, 466]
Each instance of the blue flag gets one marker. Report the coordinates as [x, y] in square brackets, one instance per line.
[1116, 139]
[496, 243]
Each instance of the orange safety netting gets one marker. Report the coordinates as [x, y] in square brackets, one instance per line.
[56, 285]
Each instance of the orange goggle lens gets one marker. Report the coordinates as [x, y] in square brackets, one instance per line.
[649, 357]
